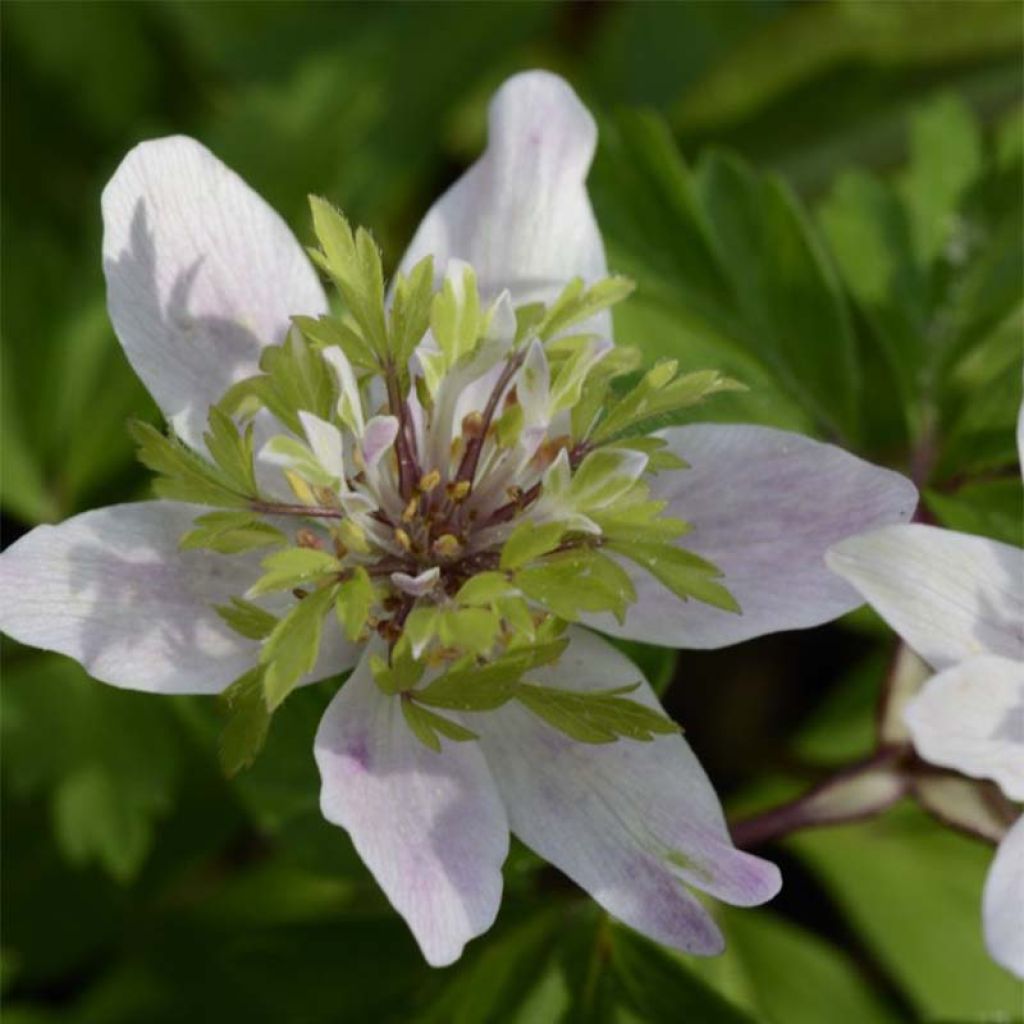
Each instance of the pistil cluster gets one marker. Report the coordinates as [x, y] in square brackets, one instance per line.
[455, 478]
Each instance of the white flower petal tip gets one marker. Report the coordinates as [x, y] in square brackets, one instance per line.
[765, 506]
[633, 823]
[430, 826]
[1003, 902]
[949, 595]
[201, 274]
[971, 718]
[111, 589]
[521, 215]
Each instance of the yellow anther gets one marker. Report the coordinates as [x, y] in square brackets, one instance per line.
[403, 538]
[446, 546]
[458, 490]
[430, 480]
[409, 512]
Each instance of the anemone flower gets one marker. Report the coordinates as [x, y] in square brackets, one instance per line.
[446, 489]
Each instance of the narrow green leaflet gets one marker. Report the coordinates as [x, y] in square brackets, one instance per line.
[291, 649]
[529, 541]
[295, 378]
[353, 262]
[576, 304]
[231, 533]
[600, 716]
[332, 332]
[248, 722]
[247, 619]
[293, 567]
[578, 581]
[428, 727]
[660, 393]
[356, 598]
[687, 575]
[183, 475]
[410, 309]
[231, 450]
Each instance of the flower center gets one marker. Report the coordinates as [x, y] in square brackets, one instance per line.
[455, 478]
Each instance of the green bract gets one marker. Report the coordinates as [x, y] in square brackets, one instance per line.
[454, 478]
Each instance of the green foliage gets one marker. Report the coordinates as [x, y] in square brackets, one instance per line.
[576, 304]
[184, 475]
[687, 575]
[352, 260]
[231, 533]
[356, 598]
[528, 541]
[578, 581]
[248, 722]
[247, 619]
[291, 649]
[294, 567]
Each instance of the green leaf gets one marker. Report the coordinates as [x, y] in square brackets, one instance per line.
[356, 598]
[991, 508]
[292, 648]
[426, 725]
[296, 379]
[684, 573]
[661, 987]
[469, 629]
[456, 318]
[293, 567]
[596, 716]
[885, 875]
[528, 541]
[353, 262]
[231, 533]
[231, 451]
[785, 290]
[468, 686]
[484, 589]
[945, 160]
[410, 309]
[247, 619]
[246, 729]
[183, 475]
[576, 304]
[336, 332]
[577, 581]
[660, 393]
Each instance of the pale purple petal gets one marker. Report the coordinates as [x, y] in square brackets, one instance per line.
[201, 275]
[765, 505]
[110, 589]
[630, 822]
[430, 826]
[380, 435]
[949, 595]
[521, 215]
[971, 718]
[1003, 905]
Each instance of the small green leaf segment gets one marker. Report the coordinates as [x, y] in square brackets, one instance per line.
[455, 479]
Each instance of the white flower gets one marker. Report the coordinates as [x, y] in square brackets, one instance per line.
[203, 278]
[958, 601]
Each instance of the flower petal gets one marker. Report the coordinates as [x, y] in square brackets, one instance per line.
[1003, 903]
[971, 718]
[630, 822]
[111, 589]
[765, 505]
[201, 275]
[949, 595]
[521, 215]
[430, 826]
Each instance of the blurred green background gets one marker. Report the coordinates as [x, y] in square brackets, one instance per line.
[823, 199]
